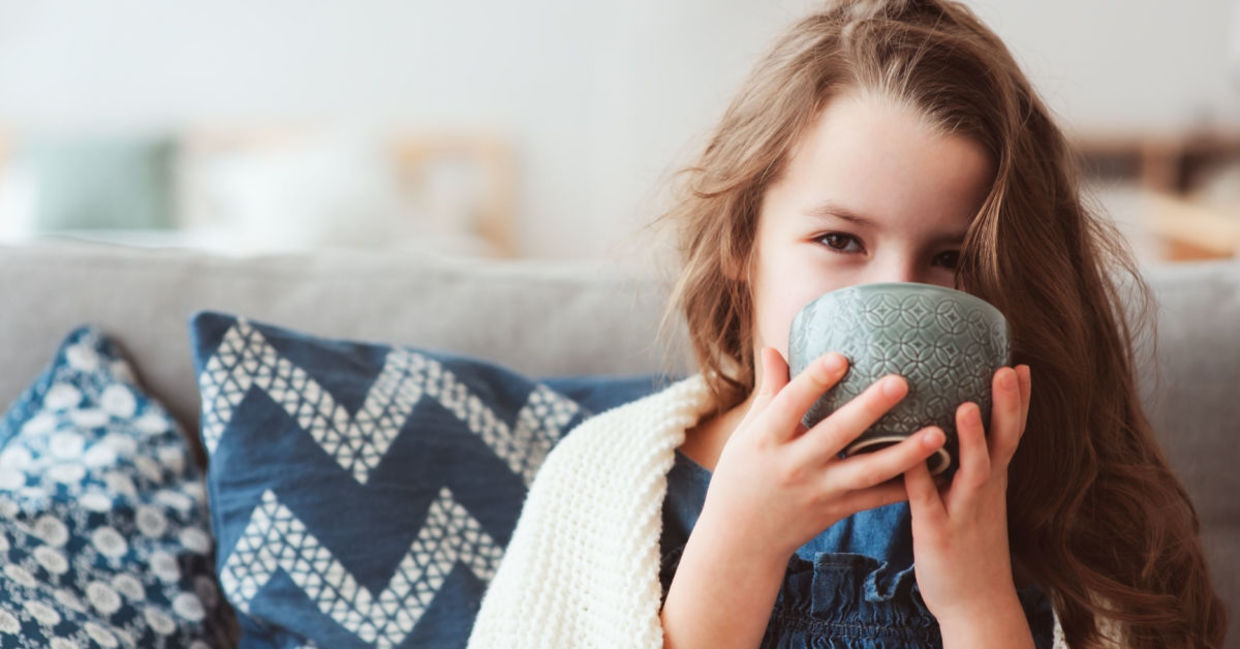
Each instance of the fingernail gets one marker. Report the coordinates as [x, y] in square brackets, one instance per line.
[973, 414]
[833, 362]
[1007, 380]
[933, 438]
[891, 386]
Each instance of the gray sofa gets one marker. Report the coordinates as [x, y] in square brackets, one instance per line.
[548, 318]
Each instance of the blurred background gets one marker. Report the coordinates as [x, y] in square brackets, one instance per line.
[544, 129]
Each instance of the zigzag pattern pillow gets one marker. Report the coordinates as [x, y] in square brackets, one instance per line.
[104, 534]
[363, 494]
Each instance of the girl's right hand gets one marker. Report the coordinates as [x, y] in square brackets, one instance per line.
[776, 484]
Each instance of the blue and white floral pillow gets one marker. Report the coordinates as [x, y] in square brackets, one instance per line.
[104, 534]
[363, 494]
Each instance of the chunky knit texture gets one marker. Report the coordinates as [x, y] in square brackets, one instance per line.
[582, 568]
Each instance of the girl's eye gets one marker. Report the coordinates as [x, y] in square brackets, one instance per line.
[838, 241]
[948, 259]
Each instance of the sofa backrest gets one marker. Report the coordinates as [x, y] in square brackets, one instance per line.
[539, 317]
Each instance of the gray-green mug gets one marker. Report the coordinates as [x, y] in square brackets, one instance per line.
[946, 343]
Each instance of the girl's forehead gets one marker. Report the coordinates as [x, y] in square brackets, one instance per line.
[870, 161]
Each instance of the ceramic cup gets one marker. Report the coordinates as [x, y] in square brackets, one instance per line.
[946, 343]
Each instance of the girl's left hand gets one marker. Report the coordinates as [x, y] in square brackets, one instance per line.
[961, 555]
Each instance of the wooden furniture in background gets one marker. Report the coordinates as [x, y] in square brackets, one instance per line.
[415, 154]
[495, 218]
[1169, 168]
[1190, 231]
[1169, 162]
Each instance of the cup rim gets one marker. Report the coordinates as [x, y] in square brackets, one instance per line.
[920, 286]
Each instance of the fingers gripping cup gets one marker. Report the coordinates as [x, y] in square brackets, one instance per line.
[946, 343]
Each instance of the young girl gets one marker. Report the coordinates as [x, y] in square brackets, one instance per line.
[878, 141]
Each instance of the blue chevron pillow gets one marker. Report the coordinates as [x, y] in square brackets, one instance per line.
[363, 494]
[104, 531]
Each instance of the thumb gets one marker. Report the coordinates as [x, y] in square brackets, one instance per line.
[766, 382]
[773, 375]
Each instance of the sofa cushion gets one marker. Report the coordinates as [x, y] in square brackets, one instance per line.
[363, 493]
[104, 533]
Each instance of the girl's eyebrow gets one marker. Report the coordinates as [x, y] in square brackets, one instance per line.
[827, 209]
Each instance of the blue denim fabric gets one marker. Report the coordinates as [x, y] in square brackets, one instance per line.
[850, 587]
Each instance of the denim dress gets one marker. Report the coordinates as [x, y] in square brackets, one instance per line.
[850, 587]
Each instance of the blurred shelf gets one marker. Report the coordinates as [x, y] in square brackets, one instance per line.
[1164, 173]
[1170, 162]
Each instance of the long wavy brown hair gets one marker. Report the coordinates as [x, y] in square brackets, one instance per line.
[1096, 516]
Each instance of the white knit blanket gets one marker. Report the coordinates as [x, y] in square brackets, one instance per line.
[582, 568]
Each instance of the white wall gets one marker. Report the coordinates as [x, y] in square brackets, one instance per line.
[602, 99]
[1127, 63]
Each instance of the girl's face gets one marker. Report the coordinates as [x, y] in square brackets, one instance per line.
[869, 194]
